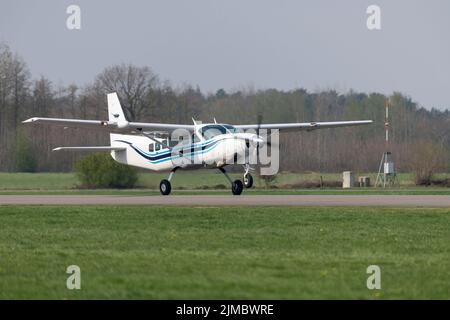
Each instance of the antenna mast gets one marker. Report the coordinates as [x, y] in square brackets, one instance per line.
[386, 173]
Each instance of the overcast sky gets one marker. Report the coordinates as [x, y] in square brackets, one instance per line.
[234, 43]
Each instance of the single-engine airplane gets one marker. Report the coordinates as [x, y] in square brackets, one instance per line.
[214, 145]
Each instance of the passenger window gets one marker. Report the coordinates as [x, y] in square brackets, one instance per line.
[173, 143]
[151, 147]
[157, 147]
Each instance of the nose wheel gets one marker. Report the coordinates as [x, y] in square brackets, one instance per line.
[248, 180]
[165, 187]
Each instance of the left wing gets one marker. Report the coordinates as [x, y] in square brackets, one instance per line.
[116, 123]
[94, 149]
[111, 126]
[308, 126]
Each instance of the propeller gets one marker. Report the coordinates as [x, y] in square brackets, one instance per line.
[257, 141]
[266, 140]
[259, 119]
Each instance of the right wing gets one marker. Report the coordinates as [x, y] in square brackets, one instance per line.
[307, 126]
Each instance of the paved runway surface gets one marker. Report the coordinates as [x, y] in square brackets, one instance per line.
[243, 200]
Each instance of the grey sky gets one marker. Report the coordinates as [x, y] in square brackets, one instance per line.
[234, 43]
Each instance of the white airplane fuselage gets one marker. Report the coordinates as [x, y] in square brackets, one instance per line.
[144, 152]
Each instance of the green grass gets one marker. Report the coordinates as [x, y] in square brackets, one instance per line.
[37, 181]
[155, 192]
[206, 252]
[185, 179]
[198, 182]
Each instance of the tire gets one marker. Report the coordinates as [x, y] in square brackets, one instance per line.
[248, 180]
[237, 187]
[165, 187]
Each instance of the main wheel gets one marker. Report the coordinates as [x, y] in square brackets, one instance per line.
[237, 187]
[248, 180]
[165, 187]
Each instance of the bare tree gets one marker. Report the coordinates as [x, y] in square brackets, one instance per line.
[425, 159]
[134, 85]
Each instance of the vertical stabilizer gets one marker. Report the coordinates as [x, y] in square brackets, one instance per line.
[115, 111]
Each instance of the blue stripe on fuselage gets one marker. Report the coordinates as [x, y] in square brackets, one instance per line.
[166, 154]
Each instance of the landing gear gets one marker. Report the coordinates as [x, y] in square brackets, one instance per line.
[248, 180]
[236, 186]
[165, 186]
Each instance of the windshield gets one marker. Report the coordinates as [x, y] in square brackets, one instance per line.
[211, 131]
[230, 128]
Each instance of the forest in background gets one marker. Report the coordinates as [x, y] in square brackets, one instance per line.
[420, 138]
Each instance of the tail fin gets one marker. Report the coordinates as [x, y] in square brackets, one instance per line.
[114, 109]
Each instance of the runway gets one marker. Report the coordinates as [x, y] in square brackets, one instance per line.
[432, 201]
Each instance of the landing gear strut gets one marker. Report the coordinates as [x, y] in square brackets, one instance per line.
[165, 186]
[236, 186]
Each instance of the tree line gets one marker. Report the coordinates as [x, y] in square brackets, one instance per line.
[419, 137]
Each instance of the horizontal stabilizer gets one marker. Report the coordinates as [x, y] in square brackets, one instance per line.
[106, 148]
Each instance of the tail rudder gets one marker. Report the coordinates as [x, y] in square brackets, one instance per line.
[115, 110]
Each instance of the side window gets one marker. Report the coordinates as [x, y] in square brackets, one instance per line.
[157, 147]
[151, 147]
[173, 143]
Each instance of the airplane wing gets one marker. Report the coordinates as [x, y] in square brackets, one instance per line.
[118, 123]
[308, 126]
[95, 149]
[110, 126]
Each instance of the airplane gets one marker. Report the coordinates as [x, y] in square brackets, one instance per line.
[214, 145]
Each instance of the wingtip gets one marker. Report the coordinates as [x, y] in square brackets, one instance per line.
[56, 149]
[29, 120]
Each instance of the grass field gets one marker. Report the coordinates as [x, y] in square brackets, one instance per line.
[199, 182]
[198, 179]
[204, 253]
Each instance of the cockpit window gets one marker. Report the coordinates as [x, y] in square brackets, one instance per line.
[211, 131]
[230, 128]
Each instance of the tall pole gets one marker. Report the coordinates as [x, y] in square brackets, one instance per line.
[386, 123]
[386, 128]
[385, 163]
